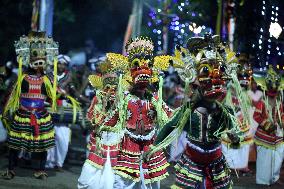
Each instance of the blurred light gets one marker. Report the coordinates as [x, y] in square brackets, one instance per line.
[268, 52]
[275, 29]
[159, 32]
[159, 42]
[182, 30]
[159, 10]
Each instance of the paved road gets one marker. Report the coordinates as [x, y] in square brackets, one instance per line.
[72, 169]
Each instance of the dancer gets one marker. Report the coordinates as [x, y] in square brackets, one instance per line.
[103, 102]
[56, 156]
[237, 98]
[203, 117]
[137, 117]
[269, 134]
[31, 127]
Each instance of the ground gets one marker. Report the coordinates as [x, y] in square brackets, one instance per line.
[72, 168]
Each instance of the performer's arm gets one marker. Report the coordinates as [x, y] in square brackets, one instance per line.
[260, 116]
[169, 126]
[112, 118]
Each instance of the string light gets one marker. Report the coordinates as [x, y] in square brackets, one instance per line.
[268, 46]
[178, 16]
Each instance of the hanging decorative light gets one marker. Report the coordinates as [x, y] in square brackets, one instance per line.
[275, 29]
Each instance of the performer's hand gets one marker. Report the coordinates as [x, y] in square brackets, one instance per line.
[233, 137]
[146, 156]
[270, 128]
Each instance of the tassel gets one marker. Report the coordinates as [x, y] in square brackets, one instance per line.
[54, 84]
[13, 101]
[160, 102]
[20, 70]
[34, 124]
[75, 107]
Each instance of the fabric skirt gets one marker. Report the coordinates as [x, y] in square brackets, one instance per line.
[31, 131]
[206, 170]
[237, 158]
[130, 166]
[97, 157]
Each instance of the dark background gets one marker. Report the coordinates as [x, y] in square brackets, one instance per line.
[104, 22]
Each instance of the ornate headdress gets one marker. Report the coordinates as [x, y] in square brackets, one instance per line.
[139, 63]
[208, 61]
[140, 47]
[244, 70]
[108, 76]
[36, 46]
[37, 51]
[271, 82]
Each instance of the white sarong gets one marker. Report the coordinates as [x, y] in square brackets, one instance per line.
[268, 164]
[56, 155]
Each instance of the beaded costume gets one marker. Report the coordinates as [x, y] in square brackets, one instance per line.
[206, 69]
[269, 135]
[102, 103]
[138, 114]
[31, 127]
[237, 98]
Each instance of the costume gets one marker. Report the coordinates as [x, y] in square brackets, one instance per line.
[137, 117]
[203, 117]
[269, 134]
[63, 116]
[101, 143]
[237, 98]
[31, 128]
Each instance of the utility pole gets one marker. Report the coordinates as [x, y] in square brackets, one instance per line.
[46, 16]
[137, 11]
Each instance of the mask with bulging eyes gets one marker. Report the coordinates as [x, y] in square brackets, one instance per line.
[141, 71]
[244, 73]
[212, 78]
[37, 59]
[272, 82]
